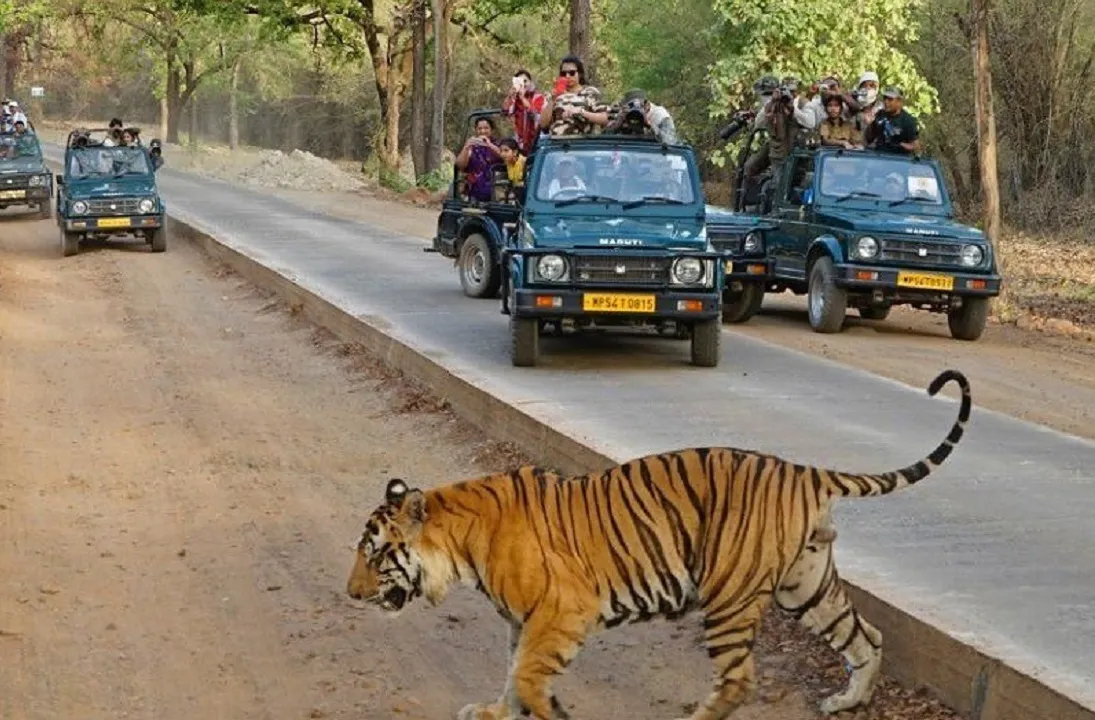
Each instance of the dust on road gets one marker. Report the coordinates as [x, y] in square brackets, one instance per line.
[184, 467]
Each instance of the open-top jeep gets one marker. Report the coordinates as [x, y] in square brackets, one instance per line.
[870, 230]
[740, 238]
[612, 233]
[107, 191]
[24, 178]
[473, 232]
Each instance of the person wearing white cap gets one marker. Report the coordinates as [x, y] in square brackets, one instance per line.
[866, 91]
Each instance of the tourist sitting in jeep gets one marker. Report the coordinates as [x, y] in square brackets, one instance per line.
[477, 159]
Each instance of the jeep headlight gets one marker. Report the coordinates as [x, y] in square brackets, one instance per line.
[37, 180]
[687, 270]
[972, 255]
[551, 268]
[752, 244]
[146, 206]
[866, 247]
[79, 207]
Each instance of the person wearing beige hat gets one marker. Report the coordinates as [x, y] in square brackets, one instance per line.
[894, 129]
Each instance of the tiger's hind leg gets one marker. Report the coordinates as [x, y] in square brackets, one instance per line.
[729, 635]
[813, 593]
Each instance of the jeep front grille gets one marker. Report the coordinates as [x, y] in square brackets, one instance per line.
[114, 206]
[920, 252]
[621, 269]
[14, 182]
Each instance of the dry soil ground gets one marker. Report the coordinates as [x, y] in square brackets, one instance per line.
[184, 467]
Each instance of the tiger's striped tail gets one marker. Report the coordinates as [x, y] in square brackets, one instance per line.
[852, 485]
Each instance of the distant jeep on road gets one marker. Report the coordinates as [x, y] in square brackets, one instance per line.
[871, 230]
[24, 178]
[107, 191]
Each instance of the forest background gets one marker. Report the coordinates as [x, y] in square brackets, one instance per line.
[389, 84]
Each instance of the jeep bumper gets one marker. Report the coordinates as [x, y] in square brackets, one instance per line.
[915, 282]
[124, 224]
[749, 270]
[659, 304]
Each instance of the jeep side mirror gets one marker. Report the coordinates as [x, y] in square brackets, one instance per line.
[60, 179]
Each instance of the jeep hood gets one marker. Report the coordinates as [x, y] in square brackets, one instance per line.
[22, 166]
[614, 231]
[107, 187]
[897, 223]
[726, 220]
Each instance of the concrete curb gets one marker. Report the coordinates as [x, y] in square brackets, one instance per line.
[915, 653]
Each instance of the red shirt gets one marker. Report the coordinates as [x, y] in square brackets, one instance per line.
[526, 117]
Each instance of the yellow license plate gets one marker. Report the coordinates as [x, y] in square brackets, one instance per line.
[11, 194]
[611, 302]
[925, 281]
[113, 222]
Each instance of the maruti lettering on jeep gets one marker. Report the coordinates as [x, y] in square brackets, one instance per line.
[612, 234]
[108, 191]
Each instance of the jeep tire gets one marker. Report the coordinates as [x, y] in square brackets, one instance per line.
[524, 341]
[70, 243]
[706, 341]
[826, 303]
[740, 306]
[480, 275]
[45, 210]
[874, 312]
[968, 321]
[158, 239]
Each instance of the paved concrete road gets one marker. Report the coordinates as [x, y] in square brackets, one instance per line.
[998, 547]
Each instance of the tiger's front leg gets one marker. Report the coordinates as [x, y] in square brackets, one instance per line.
[549, 642]
[507, 707]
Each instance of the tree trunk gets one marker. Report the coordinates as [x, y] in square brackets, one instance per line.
[164, 115]
[4, 89]
[418, 88]
[986, 119]
[437, 124]
[581, 36]
[173, 97]
[234, 106]
[192, 104]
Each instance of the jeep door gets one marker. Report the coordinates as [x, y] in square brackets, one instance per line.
[789, 243]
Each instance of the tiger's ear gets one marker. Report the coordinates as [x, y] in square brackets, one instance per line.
[414, 506]
[397, 490]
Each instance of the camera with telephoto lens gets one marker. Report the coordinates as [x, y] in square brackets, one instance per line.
[632, 117]
[739, 122]
[784, 93]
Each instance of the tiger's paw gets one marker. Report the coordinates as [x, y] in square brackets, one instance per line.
[840, 702]
[479, 711]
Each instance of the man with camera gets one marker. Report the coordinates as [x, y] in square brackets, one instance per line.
[636, 115]
[894, 129]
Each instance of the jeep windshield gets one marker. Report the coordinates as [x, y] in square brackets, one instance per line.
[107, 162]
[891, 180]
[17, 149]
[631, 177]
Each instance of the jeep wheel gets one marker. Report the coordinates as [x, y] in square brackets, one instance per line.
[524, 341]
[827, 303]
[70, 243]
[739, 306]
[45, 210]
[875, 312]
[706, 339]
[158, 239]
[480, 276]
[968, 321]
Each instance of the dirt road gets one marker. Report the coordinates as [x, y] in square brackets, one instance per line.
[183, 469]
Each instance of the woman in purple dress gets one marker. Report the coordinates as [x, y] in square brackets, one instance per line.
[477, 157]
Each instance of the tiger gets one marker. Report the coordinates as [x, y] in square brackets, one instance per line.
[722, 530]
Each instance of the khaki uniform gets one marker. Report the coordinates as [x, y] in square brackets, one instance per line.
[832, 133]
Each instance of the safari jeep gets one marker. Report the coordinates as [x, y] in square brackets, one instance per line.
[612, 234]
[871, 230]
[24, 178]
[108, 192]
[740, 238]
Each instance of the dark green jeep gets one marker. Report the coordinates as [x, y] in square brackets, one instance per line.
[870, 230]
[107, 191]
[612, 234]
[24, 178]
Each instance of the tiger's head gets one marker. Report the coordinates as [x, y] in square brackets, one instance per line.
[389, 569]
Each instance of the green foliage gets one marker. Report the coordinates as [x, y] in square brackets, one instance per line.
[811, 39]
[436, 179]
[392, 180]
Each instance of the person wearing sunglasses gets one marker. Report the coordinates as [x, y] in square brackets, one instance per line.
[573, 108]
